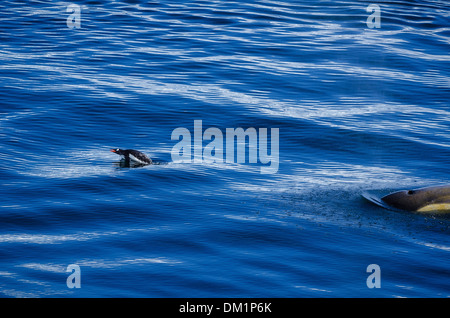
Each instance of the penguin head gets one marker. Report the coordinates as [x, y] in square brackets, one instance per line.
[117, 151]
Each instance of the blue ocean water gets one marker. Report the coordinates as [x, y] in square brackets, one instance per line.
[359, 106]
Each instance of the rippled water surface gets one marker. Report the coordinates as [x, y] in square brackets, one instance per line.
[357, 109]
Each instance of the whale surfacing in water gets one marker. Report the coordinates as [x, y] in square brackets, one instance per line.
[424, 200]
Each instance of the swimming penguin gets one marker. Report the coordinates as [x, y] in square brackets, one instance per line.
[136, 156]
[424, 200]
